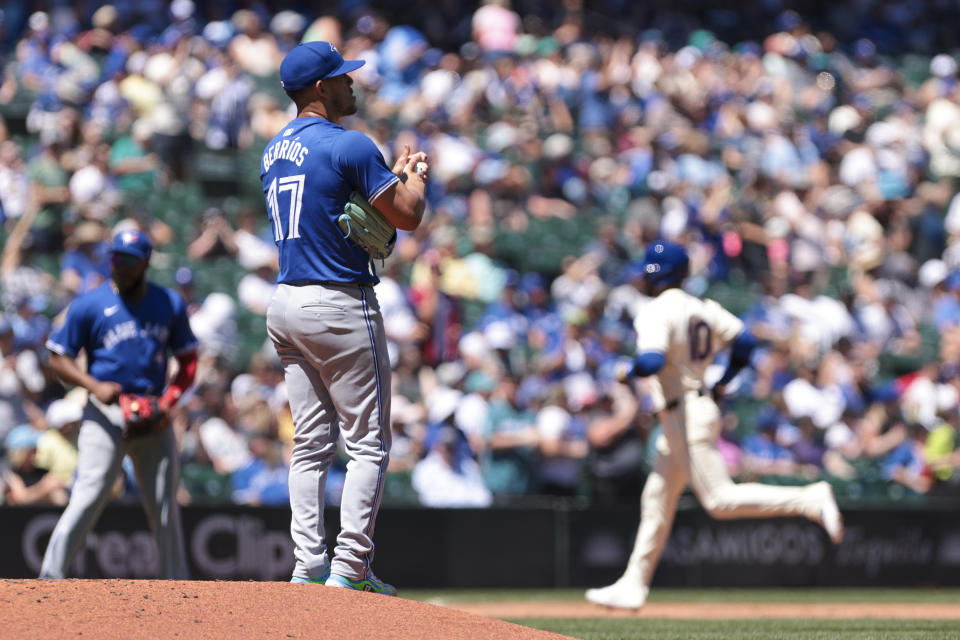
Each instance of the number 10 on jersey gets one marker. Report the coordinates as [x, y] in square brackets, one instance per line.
[293, 184]
[700, 339]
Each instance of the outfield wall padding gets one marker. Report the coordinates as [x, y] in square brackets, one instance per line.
[557, 545]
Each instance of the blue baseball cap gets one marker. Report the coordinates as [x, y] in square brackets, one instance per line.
[22, 437]
[665, 263]
[134, 243]
[311, 61]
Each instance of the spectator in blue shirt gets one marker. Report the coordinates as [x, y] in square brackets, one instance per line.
[85, 266]
[907, 465]
[264, 479]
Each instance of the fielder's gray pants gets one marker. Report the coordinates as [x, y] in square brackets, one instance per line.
[101, 448]
[333, 348]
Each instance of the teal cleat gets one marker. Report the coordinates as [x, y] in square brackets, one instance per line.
[370, 583]
[320, 580]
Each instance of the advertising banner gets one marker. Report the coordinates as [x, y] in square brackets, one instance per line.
[518, 547]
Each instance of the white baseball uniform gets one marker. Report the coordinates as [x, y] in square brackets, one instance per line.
[689, 332]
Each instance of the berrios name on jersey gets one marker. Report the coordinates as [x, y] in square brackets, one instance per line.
[286, 149]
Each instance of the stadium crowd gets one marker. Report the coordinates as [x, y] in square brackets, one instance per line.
[809, 164]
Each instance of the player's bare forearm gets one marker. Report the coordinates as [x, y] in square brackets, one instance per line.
[415, 196]
[70, 372]
[403, 203]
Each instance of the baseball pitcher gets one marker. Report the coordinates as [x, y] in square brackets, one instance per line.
[678, 336]
[128, 327]
[334, 206]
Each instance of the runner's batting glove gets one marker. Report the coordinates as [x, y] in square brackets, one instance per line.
[141, 415]
[366, 227]
[718, 393]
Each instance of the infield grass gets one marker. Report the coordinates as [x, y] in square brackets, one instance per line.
[660, 629]
[739, 629]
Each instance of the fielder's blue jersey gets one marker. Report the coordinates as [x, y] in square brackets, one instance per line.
[308, 171]
[126, 342]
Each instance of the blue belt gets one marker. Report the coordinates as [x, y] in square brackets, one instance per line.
[328, 283]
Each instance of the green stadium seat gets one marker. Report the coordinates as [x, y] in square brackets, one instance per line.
[398, 489]
[746, 409]
[217, 171]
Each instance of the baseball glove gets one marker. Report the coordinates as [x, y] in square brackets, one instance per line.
[141, 415]
[366, 227]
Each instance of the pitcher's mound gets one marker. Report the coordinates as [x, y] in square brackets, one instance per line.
[186, 610]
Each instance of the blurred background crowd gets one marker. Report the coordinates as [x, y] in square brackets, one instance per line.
[807, 158]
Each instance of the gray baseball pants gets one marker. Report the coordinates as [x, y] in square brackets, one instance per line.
[101, 448]
[331, 341]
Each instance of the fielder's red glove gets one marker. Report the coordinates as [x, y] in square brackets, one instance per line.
[141, 415]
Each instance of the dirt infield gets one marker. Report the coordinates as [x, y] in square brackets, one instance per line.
[714, 610]
[155, 610]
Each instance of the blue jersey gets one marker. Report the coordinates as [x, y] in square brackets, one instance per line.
[126, 342]
[308, 171]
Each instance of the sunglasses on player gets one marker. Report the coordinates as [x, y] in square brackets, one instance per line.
[125, 260]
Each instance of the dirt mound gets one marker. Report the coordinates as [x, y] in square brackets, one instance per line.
[185, 610]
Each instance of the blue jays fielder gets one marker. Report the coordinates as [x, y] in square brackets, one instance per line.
[678, 336]
[324, 318]
[128, 327]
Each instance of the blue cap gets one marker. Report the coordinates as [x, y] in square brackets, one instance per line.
[134, 243]
[665, 263]
[22, 437]
[532, 281]
[311, 61]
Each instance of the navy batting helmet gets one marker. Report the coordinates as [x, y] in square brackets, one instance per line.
[665, 263]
